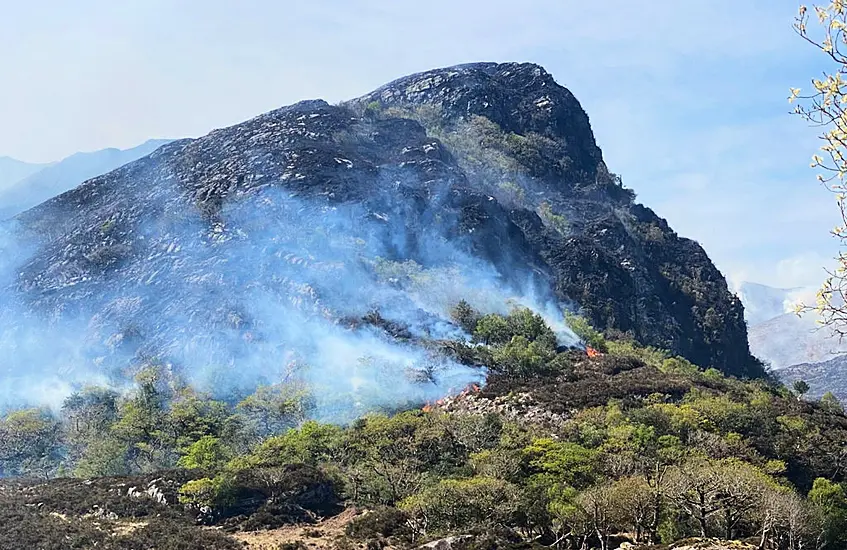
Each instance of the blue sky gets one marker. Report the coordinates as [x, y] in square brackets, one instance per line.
[687, 99]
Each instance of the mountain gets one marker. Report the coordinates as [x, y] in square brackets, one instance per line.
[12, 171]
[36, 186]
[763, 303]
[333, 240]
[788, 340]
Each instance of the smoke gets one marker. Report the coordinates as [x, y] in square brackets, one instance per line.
[274, 290]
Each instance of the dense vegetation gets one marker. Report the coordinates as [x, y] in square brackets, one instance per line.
[558, 449]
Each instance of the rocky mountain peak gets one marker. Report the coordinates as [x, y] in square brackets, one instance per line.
[520, 98]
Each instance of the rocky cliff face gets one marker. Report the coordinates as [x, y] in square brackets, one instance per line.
[488, 170]
[526, 140]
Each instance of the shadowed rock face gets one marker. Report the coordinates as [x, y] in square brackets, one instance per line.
[497, 160]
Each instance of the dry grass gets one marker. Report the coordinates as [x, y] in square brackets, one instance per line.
[324, 535]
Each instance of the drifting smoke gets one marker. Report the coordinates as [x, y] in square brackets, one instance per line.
[274, 290]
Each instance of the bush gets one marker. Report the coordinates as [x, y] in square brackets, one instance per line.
[522, 358]
[462, 504]
[206, 492]
[648, 355]
[492, 329]
[385, 521]
[583, 329]
[206, 453]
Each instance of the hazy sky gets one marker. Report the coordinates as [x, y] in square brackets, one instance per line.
[687, 99]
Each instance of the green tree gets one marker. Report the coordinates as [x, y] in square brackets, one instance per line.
[313, 443]
[523, 358]
[801, 388]
[562, 462]
[271, 410]
[103, 456]
[492, 329]
[720, 492]
[831, 403]
[462, 504]
[583, 329]
[207, 453]
[524, 322]
[87, 415]
[830, 500]
[465, 316]
[29, 444]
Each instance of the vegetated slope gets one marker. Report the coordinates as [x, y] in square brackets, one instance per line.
[488, 163]
[48, 181]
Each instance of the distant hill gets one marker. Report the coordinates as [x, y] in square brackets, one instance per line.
[54, 179]
[12, 171]
[822, 377]
[788, 340]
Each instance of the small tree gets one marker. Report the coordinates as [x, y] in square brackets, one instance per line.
[29, 444]
[206, 453]
[830, 501]
[522, 358]
[831, 403]
[492, 329]
[801, 388]
[465, 316]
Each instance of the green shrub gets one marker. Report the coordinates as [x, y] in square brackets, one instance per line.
[385, 521]
[206, 492]
[207, 453]
[462, 504]
[522, 358]
[492, 329]
[649, 355]
[465, 316]
[583, 329]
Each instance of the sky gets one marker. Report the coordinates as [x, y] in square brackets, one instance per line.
[687, 99]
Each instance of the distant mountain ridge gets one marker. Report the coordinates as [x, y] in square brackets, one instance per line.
[763, 303]
[54, 179]
[822, 377]
[14, 170]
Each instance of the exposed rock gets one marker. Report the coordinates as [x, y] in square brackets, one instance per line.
[711, 544]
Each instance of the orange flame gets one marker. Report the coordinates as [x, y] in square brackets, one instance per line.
[427, 408]
[471, 388]
[591, 352]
